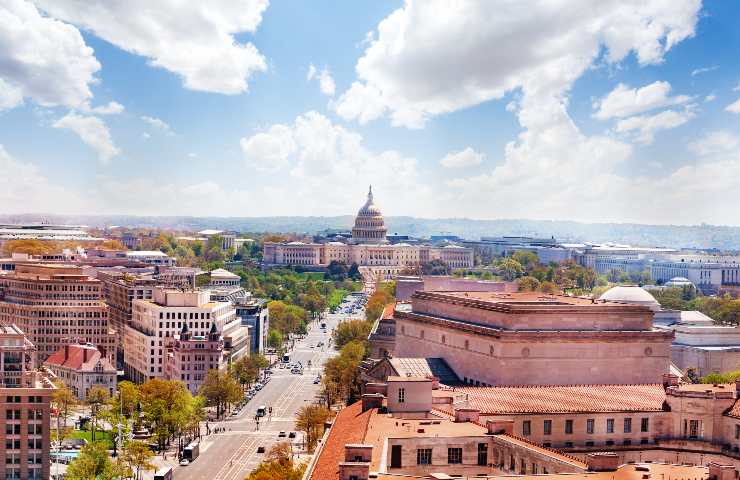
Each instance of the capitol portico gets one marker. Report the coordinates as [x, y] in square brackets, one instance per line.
[368, 247]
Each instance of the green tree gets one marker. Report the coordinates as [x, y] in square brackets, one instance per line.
[62, 399]
[168, 408]
[510, 269]
[93, 462]
[342, 373]
[310, 420]
[275, 339]
[220, 389]
[97, 398]
[526, 259]
[278, 465]
[138, 457]
[353, 330]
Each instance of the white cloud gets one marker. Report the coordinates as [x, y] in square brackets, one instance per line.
[186, 38]
[710, 98]
[624, 101]
[192, 155]
[271, 150]
[42, 59]
[699, 71]
[23, 189]
[311, 72]
[325, 164]
[145, 135]
[326, 82]
[644, 127]
[462, 159]
[112, 108]
[93, 132]
[737, 88]
[434, 57]
[734, 107]
[10, 96]
[158, 123]
[715, 143]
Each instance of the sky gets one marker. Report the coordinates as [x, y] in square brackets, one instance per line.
[609, 111]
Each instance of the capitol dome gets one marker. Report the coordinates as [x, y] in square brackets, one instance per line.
[369, 223]
[631, 294]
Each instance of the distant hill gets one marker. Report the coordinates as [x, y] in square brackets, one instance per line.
[680, 236]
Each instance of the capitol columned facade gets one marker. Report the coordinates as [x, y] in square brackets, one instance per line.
[368, 247]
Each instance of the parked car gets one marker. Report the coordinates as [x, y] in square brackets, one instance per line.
[291, 435]
[282, 434]
[184, 462]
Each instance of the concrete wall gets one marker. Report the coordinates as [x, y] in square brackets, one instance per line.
[537, 359]
[417, 396]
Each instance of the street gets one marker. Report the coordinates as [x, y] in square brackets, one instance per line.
[232, 454]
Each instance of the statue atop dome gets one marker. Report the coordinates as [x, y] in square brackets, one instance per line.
[369, 223]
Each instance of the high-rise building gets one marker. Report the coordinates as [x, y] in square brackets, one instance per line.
[25, 395]
[120, 290]
[155, 323]
[193, 355]
[56, 305]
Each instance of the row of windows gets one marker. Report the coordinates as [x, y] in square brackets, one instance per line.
[16, 414]
[590, 426]
[18, 399]
[15, 429]
[182, 316]
[33, 444]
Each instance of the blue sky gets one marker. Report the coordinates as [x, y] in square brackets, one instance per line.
[610, 111]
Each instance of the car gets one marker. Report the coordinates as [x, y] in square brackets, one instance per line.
[235, 413]
[316, 380]
[291, 435]
[268, 371]
[184, 462]
[282, 434]
[258, 386]
[260, 449]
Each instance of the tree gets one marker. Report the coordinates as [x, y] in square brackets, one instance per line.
[528, 284]
[168, 408]
[275, 339]
[220, 389]
[93, 462]
[62, 399]
[354, 272]
[138, 456]
[336, 271]
[97, 397]
[435, 267]
[342, 373]
[278, 464]
[310, 420]
[510, 269]
[353, 330]
[526, 259]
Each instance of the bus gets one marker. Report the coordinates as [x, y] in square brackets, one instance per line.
[164, 473]
[261, 411]
[191, 452]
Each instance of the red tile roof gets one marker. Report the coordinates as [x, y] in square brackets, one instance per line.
[565, 398]
[75, 358]
[349, 426]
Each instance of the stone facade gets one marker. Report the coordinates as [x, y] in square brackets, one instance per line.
[533, 339]
[56, 305]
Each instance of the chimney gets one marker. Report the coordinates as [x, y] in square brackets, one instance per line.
[670, 380]
[500, 426]
[602, 461]
[85, 350]
[466, 415]
[66, 352]
[372, 400]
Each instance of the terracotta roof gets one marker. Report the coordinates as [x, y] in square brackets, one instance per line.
[73, 357]
[349, 427]
[564, 398]
[388, 311]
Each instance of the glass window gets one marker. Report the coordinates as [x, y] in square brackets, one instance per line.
[401, 395]
[526, 428]
[569, 426]
[627, 425]
[454, 455]
[590, 426]
[645, 425]
[609, 425]
[547, 427]
[423, 456]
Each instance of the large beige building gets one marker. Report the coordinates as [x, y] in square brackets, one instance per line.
[368, 248]
[25, 395]
[491, 338]
[156, 322]
[56, 304]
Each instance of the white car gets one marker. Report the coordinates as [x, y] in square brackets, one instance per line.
[184, 462]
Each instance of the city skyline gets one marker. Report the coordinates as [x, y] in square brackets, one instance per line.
[614, 113]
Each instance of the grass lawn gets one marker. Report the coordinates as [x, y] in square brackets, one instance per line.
[99, 436]
[336, 297]
[313, 275]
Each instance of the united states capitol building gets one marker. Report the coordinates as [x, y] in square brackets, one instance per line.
[368, 247]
